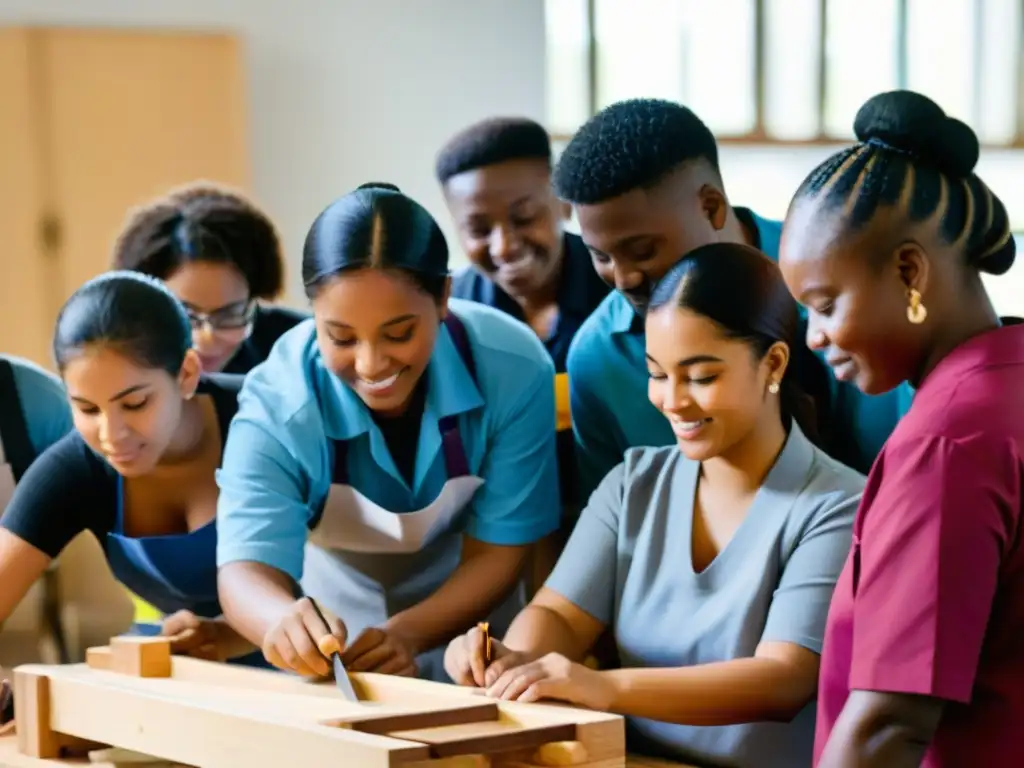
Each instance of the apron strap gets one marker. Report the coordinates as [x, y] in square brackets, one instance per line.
[451, 440]
[16, 446]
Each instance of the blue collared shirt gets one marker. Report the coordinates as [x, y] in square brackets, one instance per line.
[611, 411]
[276, 470]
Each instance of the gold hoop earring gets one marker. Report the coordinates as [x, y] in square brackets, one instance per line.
[916, 312]
[774, 387]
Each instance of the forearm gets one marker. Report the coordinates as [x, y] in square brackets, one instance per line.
[231, 642]
[475, 588]
[21, 565]
[880, 730]
[722, 693]
[543, 558]
[254, 597]
[538, 630]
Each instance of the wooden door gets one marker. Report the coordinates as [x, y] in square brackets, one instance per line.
[25, 264]
[93, 122]
[130, 114]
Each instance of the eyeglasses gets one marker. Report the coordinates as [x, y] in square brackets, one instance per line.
[237, 318]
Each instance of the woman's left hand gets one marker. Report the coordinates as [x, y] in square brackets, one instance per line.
[555, 677]
[210, 639]
[380, 650]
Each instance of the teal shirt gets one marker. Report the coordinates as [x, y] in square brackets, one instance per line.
[611, 412]
[276, 470]
[43, 402]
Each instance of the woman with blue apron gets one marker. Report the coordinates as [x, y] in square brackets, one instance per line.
[393, 459]
[138, 469]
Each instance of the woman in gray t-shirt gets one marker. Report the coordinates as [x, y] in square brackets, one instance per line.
[713, 560]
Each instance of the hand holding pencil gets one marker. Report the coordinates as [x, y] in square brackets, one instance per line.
[478, 659]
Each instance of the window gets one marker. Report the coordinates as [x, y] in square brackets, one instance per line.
[789, 70]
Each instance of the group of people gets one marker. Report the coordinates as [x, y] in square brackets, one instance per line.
[754, 485]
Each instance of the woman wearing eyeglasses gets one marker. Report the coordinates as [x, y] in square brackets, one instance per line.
[220, 255]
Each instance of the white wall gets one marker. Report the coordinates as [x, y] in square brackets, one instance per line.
[347, 91]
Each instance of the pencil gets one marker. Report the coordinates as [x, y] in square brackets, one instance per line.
[485, 627]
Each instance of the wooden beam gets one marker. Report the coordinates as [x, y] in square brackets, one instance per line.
[397, 721]
[203, 733]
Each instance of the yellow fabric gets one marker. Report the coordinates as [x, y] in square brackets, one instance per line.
[563, 419]
[144, 612]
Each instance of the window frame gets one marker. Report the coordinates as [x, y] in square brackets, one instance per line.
[759, 135]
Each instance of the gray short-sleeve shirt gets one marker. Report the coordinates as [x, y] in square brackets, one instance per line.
[628, 563]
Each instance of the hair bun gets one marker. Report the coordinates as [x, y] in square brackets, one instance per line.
[909, 122]
[379, 185]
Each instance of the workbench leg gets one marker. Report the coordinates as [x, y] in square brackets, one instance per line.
[32, 713]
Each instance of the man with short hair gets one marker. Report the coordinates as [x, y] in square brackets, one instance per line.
[496, 179]
[644, 180]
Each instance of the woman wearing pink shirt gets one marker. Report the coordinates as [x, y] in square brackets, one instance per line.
[885, 244]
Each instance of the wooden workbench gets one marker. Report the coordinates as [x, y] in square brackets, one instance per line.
[10, 758]
[137, 696]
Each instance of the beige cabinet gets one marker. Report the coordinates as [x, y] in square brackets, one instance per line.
[92, 122]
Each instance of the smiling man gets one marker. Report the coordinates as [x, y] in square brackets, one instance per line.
[644, 180]
[496, 178]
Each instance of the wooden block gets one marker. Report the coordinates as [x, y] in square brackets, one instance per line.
[141, 656]
[560, 753]
[36, 737]
[444, 714]
[99, 657]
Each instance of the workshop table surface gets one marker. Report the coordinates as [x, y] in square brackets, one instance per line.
[11, 758]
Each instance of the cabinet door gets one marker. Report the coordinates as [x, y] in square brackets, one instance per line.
[128, 115]
[26, 311]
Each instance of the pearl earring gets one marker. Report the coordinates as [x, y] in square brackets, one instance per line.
[774, 387]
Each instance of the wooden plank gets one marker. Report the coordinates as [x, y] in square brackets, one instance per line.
[386, 722]
[601, 736]
[487, 738]
[448, 725]
[90, 707]
[332, 711]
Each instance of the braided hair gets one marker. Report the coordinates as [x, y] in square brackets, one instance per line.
[915, 159]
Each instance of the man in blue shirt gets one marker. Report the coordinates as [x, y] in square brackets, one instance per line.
[644, 179]
[496, 179]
